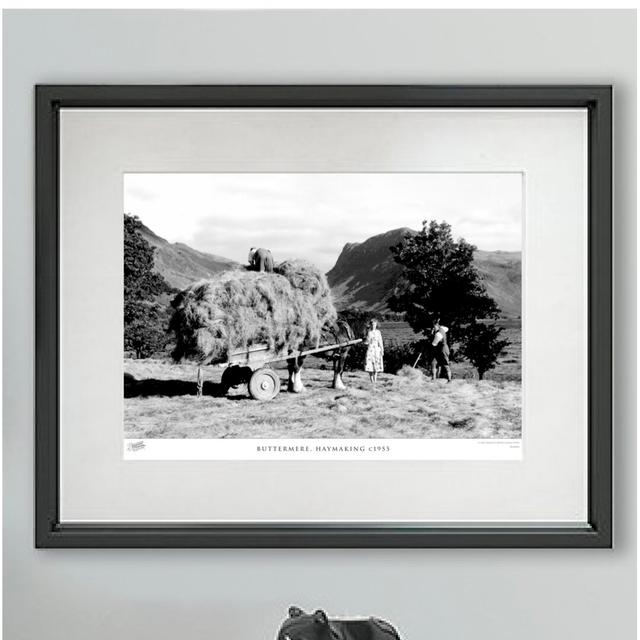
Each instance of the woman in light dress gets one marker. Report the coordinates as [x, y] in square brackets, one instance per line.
[375, 351]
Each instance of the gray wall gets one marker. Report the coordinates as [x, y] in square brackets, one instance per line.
[243, 595]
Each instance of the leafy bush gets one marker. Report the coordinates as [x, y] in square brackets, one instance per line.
[397, 355]
[146, 324]
[482, 346]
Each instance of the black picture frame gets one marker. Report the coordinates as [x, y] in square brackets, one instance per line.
[50, 532]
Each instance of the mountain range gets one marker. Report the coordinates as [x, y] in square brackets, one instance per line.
[363, 277]
[365, 274]
[180, 265]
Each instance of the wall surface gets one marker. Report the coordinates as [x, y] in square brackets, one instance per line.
[243, 595]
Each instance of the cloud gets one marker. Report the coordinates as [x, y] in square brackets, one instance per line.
[138, 192]
[315, 215]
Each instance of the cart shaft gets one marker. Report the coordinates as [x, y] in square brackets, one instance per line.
[256, 361]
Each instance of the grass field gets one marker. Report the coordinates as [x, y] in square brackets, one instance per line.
[160, 402]
[508, 368]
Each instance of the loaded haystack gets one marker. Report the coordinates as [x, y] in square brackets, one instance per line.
[286, 310]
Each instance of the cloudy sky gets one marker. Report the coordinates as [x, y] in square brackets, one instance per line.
[313, 215]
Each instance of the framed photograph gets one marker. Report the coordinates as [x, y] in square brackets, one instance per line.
[323, 316]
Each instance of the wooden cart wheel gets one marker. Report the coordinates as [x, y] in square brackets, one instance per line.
[235, 376]
[264, 384]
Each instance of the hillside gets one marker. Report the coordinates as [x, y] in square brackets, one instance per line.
[180, 265]
[363, 277]
[502, 275]
[365, 274]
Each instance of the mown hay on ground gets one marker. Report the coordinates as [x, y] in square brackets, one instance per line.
[286, 310]
[410, 375]
[161, 406]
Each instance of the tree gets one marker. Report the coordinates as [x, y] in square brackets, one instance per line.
[482, 346]
[145, 327]
[141, 282]
[145, 318]
[439, 281]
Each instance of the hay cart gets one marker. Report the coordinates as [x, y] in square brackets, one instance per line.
[251, 367]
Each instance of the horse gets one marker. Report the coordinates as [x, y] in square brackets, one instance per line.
[336, 333]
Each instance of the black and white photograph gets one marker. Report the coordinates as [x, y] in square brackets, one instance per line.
[302, 305]
[323, 307]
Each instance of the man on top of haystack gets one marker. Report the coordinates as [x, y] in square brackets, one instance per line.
[260, 260]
